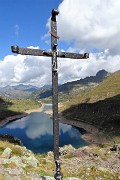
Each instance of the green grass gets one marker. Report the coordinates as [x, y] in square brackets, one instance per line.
[21, 105]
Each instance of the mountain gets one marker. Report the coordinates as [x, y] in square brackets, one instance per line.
[44, 91]
[100, 106]
[19, 91]
[73, 88]
[28, 88]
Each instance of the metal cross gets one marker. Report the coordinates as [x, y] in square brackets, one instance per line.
[54, 54]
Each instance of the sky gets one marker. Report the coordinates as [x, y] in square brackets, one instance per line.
[91, 26]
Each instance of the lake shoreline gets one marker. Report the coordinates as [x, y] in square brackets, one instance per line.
[90, 133]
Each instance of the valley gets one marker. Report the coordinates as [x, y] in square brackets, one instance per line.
[92, 104]
[94, 100]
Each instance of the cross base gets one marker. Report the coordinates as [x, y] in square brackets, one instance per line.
[58, 175]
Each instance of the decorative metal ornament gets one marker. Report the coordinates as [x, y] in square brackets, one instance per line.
[54, 54]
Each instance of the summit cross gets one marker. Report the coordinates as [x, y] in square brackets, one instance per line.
[53, 54]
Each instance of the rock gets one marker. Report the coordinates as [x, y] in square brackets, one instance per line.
[50, 154]
[17, 160]
[26, 152]
[7, 153]
[8, 177]
[32, 161]
[66, 149]
[24, 159]
[102, 169]
[16, 171]
[4, 161]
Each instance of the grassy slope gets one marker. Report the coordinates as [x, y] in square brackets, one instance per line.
[11, 107]
[108, 88]
[100, 106]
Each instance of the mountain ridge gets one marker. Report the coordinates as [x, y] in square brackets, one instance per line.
[18, 91]
[69, 88]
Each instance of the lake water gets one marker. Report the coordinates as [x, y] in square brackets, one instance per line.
[36, 132]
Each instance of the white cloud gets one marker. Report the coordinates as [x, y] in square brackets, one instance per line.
[90, 23]
[37, 70]
[20, 124]
[17, 29]
[76, 69]
[25, 69]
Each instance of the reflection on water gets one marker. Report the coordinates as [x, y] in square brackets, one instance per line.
[36, 132]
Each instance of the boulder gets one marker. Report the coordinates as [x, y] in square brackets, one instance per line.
[32, 161]
[17, 161]
[7, 153]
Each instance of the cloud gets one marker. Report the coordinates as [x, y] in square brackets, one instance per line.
[90, 24]
[20, 124]
[75, 69]
[37, 70]
[25, 69]
[17, 29]
[38, 129]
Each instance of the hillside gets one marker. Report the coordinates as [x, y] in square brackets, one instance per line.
[77, 164]
[100, 106]
[13, 107]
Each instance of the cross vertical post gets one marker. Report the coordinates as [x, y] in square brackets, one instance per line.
[54, 37]
[53, 54]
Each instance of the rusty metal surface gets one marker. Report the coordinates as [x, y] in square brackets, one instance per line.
[33, 52]
[55, 87]
[72, 55]
[54, 35]
[58, 175]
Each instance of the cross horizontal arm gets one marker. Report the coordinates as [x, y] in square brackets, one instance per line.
[28, 51]
[72, 55]
[39, 52]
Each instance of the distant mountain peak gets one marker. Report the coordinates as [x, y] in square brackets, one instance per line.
[102, 73]
[18, 91]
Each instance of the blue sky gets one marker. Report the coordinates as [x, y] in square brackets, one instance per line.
[83, 26]
[23, 22]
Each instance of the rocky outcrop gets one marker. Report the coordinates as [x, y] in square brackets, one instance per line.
[94, 162]
[28, 159]
[14, 167]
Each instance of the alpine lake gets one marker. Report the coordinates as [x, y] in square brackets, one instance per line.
[36, 132]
